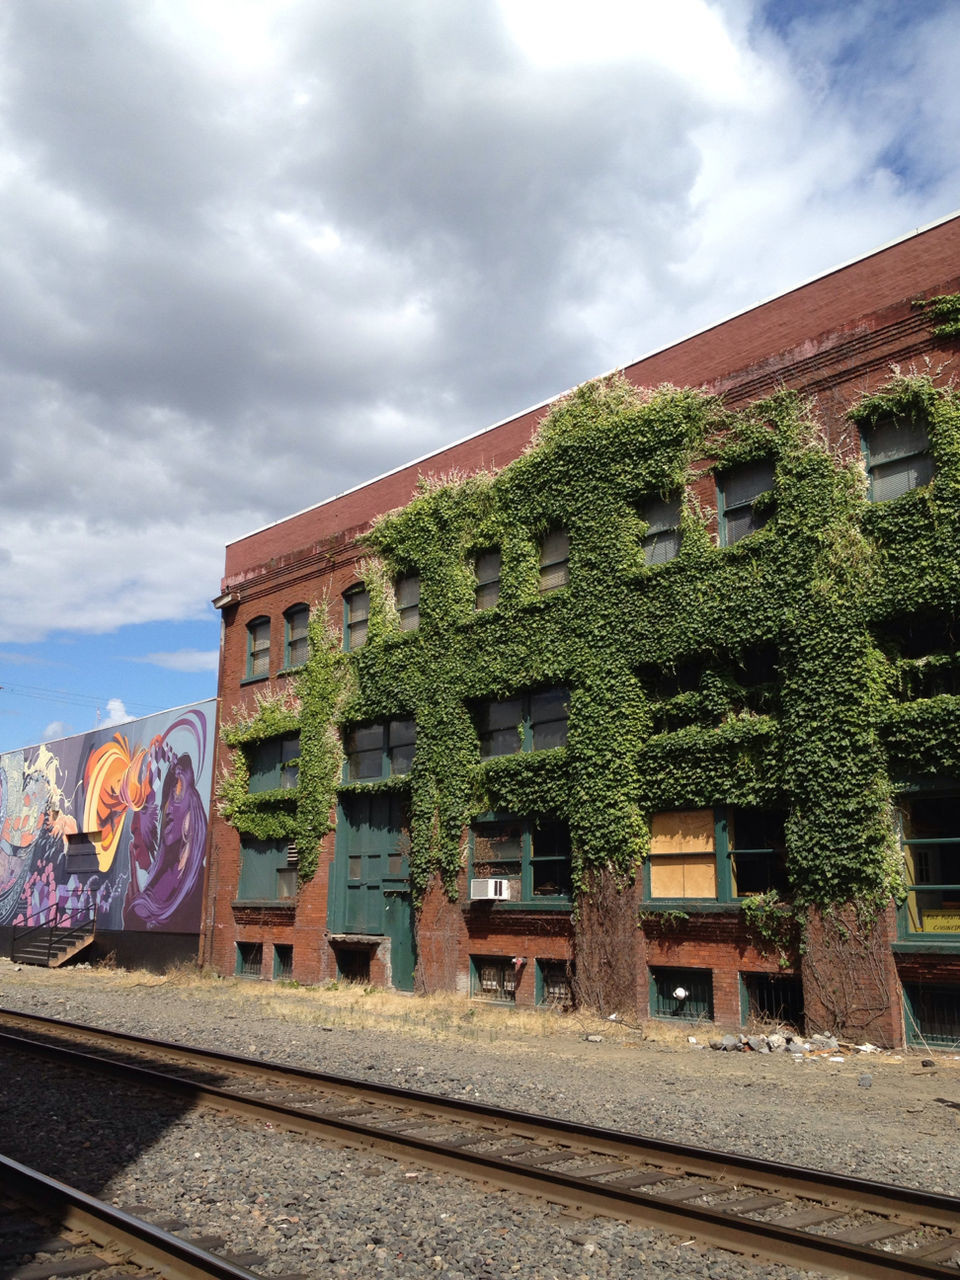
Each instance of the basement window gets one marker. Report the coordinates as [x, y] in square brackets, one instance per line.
[353, 964]
[898, 458]
[739, 489]
[554, 561]
[493, 978]
[933, 1014]
[282, 961]
[683, 994]
[772, 998]
[555, 983]
[661, 542]
[249, 959]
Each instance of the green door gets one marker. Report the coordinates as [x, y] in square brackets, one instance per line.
[371, 884]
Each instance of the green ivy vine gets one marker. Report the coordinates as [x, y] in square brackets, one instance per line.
[815, 586]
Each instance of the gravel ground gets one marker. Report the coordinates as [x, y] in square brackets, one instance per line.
[311, 1210]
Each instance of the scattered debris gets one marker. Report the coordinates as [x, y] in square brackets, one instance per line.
[865, 1082]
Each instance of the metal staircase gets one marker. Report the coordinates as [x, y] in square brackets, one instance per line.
[48, 943]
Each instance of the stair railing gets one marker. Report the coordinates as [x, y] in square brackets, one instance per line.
[50, 919]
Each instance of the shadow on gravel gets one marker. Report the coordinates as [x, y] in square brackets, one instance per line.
[78, 1123]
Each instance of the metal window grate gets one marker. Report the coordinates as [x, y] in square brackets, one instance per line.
[495, 979]
[774, 998]
[694, 1004]
[249, 959]
[933, 1014]
[282, 960]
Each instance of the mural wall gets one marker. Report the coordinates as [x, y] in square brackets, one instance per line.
[114, 820]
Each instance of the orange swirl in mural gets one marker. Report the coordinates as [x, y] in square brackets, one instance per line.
[115, 781]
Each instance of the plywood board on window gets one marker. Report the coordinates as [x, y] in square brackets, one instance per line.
[690, 876]
[682, 831]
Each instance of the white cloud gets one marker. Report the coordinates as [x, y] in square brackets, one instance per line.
[116, 713]
[57, 729]
[255, 253]
[184, 660]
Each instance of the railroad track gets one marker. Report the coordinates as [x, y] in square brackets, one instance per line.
[801, 1217]
[77, 1235]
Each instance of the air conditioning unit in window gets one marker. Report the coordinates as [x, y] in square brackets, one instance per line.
[489, 890]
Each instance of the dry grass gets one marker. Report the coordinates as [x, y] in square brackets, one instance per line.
[353, 1006]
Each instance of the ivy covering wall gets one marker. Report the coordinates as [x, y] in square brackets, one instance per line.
[823, 587]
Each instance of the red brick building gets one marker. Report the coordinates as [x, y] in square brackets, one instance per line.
[522, 920]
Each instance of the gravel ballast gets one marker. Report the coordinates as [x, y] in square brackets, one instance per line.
[309, 1209]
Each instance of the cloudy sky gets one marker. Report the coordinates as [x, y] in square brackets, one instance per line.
[253, 252]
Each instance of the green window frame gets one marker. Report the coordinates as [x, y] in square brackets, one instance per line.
[383, 749]
[486, 568]
[258, 649]
[493, 978]
[534, 721]
[534, 855]
[268, 871]
[406, 591]
[738, 491]
[931, 909]
[249, 959]
[554, 983]
[554, 561]
[897, 455]
[296, 642]
[274, 764]
[282, 961]
[696, 1005]
[661, 542]
[356, 618]
[932, 1014]
[747, 858]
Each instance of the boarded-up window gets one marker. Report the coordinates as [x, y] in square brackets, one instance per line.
[683, 859]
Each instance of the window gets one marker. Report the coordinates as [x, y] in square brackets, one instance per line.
[554, 561]
[931, 848]
[356, 606]
[533, 856]
[82, 849]
[258, 649]
[296, 644]
[933, 1014]
[487, 570]
[898, 457]
[274, 764]
[380, 750]
[555, 983]
[268, 871]
[739, 488]
[282, 961]
[407, 593]
[528, 722]
[686, 994]
[493, 978]
[683, 859]
[249, 959]
[716, 855]
[661, 542]
[353, 964]
[757, 850]
[772, 997]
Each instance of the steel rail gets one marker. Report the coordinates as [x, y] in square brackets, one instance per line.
[711, 1225]
[143, 1244]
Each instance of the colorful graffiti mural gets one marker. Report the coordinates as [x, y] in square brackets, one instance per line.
[113, 821]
